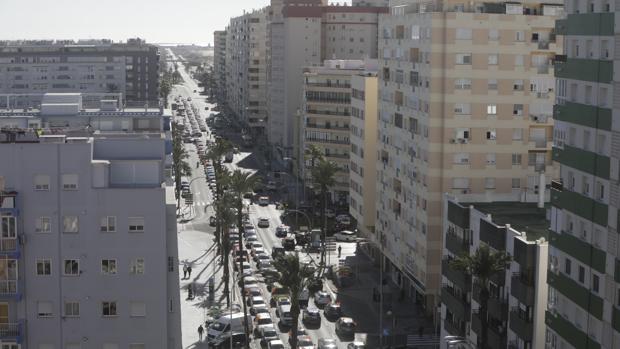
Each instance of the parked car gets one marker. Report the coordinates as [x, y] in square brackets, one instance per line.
[261, 321]
[311, 316]
[345, 236]
[322, 298]
[332, 311]
[288, 243]
[236, 340]
[267, 334]
[304, 342]
[282, 230]
[327, 343]
[275, 344]
[356, 345]
[345, 327]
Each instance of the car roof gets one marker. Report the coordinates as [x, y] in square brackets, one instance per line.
[345, 319]
[347, 232]
[263, 315]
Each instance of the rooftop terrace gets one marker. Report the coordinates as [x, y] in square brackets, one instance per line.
[521, 216]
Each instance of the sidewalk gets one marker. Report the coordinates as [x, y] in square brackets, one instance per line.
[196, 249]
[357, 301]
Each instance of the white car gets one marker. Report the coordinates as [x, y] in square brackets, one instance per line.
[343, 219]
[321, 298]
[346, 236]
[275, 344]
[263, 222]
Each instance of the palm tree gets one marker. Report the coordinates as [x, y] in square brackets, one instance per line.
[222, 178]
[215, 154]
[323, 176]
[224, 218]
[483, 264]
[314, 153]
[296, 277]
[179, 161]
[241, 183]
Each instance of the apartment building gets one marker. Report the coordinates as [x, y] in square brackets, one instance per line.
[466, 108]
[84, 264]
[518, 296]
[584, 256]
[304, 33]
[246, 68]
[363, 162]
[326, 118]
[130, 68]
[219, 63]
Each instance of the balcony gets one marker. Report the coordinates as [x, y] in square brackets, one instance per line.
[454, 329]
[8, 203]
[585, 69]
[582, 250]
[459, 278]
[346, 101]
[329, 85]
[615, 319]
[583, 160]
[328, 112]
[497, 307]
[337, 156]
[573, 113]
[522, 327]
[569, 332]
[521, 290]
[332, 141]
[328, 127]
[9, 244]
[456, 245]
[495, 337]
[458, 305]
[581, 205]
[12, 332]
[9, 289]
[577, 293]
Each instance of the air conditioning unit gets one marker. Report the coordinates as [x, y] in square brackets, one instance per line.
[465, 191]
[463, 140]
[453, 141]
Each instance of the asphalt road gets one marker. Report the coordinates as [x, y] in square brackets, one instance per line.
[199, 211]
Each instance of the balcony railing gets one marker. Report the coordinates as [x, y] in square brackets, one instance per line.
[456, 245]
[521, 290]
[9, 288]
[324, 84]
[522, 327]
[459, 278]
[333, 141]
[328, 127]
[454, 329]
[328, 112]
[497, 307]
[328, 100]
[11, 332]
[458, 304]
[337, 156]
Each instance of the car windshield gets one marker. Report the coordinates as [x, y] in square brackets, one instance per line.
[304, 341]
[264, 321]
[258, 301]
[348, 324]
[270, 333]
[218, 326]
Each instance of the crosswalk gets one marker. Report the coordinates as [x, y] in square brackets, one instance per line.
[416, 341]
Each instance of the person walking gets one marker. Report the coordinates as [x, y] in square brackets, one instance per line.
[184, 271]
[189, 272]
[200, 331]
[339, 251]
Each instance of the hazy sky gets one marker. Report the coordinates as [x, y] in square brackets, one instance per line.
[176, 21]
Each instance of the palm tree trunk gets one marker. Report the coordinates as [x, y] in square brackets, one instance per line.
[240, 229]
[324, 225]
[295, 316]
[226, 277]
[484, 303]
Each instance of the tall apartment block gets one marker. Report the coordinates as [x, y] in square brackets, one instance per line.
[584, 254]
[130, 68]
[88, 229]
[325, 120]
[304, 33]
[246, 68]
[518, 295]
[363, 138]
[466, 108]
[219, 63]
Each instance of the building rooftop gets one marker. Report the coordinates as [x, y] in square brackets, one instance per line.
[523, 217]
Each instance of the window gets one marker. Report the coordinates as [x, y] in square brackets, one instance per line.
[493, 34]
[463, 58]
[70, 224]
[518, 60]
[493, 58]
[72, 309]
[43, 225]
[170, 264]
[491, 134]
[489, 183]
[492, 109]
[44, 266]
[519, 35]
[516, 159]
[567, 266]
[137, 309]
[462, 109]
[137, 266]
[44, 309]
[492, 84]
[581, 274]
[518, 85]
[460, 183]
[108, 266]
[72, 267]
[516, 183]
[517, 134]
[108, 308]
[108, 224]
[136, 224]
[595, 283]
[463, 33]
[69, 182]
[462, 84]
[41, 182]
[491, 158]
[517, 109]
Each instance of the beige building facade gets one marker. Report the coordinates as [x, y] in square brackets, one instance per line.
[363, 138]
[219, 63]
[465, 108]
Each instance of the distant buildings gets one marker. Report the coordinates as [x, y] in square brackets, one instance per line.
[584, 259]
[130, 68]
[518, 296]
[219, 63]
[88, 239]
[466, 108]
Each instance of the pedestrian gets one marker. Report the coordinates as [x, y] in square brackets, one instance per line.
[184, 271]
[339, 251]
[200, 331]
[189, 272]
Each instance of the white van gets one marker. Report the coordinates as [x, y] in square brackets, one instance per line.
[227, 323]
